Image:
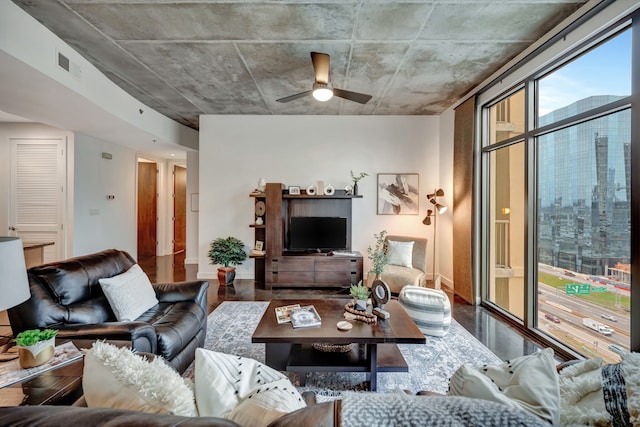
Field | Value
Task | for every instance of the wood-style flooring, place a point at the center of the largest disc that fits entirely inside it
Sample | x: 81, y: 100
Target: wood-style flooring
x: 503, y: 339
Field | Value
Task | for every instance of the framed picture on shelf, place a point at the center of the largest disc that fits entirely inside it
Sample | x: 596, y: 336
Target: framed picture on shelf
x: 259, y: 245
x: 398, y: 194
x: 295, y: 190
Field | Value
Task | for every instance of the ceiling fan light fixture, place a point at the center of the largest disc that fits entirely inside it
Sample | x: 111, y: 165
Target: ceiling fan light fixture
x: 322, y: 92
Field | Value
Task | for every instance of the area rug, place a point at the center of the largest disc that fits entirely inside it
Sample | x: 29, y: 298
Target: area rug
x: 231, y: 325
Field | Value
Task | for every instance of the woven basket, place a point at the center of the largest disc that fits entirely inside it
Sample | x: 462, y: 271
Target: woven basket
x: 333, y: 348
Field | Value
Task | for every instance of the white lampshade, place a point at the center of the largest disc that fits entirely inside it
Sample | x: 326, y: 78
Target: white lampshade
x: 14, y: 285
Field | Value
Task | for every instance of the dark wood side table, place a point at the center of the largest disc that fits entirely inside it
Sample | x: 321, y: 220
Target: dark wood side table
x: 290, y: 349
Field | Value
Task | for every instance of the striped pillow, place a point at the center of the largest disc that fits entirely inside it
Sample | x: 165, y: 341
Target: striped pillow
x: 430, y: 309
x: 242, y: 389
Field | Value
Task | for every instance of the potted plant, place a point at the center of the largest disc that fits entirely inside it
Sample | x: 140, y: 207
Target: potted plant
x: 360, y: 294
x: 378, y: 255
x: 227, y: 252
x: 355, y: 179
x: 35, y: 347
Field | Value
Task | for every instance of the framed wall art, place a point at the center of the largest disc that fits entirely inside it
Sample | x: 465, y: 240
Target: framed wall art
x: 398, y: 194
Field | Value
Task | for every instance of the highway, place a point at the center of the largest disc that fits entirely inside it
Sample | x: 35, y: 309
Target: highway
x: 571, y: 310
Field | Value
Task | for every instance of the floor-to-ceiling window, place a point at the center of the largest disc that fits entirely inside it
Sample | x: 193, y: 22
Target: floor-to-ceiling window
x: 556, y: 208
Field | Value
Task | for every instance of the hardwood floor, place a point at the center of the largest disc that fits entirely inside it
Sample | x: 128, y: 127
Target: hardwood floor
x: 503, y: 339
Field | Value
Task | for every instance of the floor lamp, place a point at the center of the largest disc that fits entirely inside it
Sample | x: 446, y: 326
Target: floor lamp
x: 433, y: 213
x: 14, y: 285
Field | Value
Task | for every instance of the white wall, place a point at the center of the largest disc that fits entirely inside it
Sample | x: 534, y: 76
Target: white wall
x: 193, y: 185
x: 444, y: 260
x: 235, y: 151
x: 101, y: 223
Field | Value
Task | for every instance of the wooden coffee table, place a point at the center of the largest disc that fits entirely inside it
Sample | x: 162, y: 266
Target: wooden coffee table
x: 289, y: 349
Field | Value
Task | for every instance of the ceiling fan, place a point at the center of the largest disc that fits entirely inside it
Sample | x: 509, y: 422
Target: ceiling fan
x: 322, y: 89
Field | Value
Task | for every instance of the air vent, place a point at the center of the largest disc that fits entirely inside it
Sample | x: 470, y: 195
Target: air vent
x: 72, y: 68
x: 63, y: 61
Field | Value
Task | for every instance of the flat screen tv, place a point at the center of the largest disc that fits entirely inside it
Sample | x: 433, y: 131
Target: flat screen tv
x: 314, y: 233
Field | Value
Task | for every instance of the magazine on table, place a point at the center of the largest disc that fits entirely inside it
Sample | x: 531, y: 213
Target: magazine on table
x: 283, y: 314
x: 305, y: 317
x: 11, y: 372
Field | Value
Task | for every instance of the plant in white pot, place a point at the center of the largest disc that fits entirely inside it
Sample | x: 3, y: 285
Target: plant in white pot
x: 227, y: 252
x: 35, y: 347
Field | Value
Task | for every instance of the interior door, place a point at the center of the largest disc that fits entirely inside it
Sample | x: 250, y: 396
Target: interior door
x: 147, y: 208
x: 179, y: 209
x: 38, y: 171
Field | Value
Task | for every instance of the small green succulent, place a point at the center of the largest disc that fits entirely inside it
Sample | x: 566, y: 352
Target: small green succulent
x: 359, y: 291
x: 34, y: 336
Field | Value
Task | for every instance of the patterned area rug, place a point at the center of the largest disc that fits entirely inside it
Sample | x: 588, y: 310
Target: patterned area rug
x: 231, y: 325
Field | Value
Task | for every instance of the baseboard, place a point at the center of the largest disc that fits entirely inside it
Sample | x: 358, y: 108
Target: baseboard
x: 191, y: 261
x: 446, y: 283
x: 214, y: 275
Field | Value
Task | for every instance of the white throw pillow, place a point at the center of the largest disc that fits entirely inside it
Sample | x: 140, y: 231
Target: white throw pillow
x: 528, y: 382
x: 242, y: 390
x: 129, y: 294
x: 115, y: 377
x: 400, y: 253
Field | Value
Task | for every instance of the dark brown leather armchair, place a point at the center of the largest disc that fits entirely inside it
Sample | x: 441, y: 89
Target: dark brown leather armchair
x: 66, y: 296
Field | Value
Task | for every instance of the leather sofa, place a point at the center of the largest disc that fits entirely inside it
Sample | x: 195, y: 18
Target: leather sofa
x: 66, y: 296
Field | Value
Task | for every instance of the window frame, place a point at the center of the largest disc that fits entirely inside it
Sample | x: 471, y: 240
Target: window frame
x: 529, y: 324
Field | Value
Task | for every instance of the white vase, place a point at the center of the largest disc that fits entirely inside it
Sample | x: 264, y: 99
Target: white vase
x: 262, y: 184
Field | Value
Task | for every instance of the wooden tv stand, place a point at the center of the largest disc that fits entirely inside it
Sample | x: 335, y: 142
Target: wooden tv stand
x: 277, y: 268
x: 313, y: 270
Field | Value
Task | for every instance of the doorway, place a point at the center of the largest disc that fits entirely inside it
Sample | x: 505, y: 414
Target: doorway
x: 147, y: 208
x: 37, y: 193
x: 179, y: 209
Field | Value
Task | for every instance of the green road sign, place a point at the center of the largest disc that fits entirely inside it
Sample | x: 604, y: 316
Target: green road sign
x: 578, y: 289
x: 598, y: 289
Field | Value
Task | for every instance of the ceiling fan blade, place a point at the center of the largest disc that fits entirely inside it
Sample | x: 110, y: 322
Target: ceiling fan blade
x: 321, y: 66
x: 351, y: 96
x: 296, y: 96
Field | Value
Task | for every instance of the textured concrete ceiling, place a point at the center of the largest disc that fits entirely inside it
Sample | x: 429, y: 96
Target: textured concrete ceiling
x: 186, y: 58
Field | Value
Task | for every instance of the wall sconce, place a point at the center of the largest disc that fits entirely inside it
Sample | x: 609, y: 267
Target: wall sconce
x: 506, y: 211
x: 433, y: 213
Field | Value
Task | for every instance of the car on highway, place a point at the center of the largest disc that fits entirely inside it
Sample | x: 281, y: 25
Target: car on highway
x: 568, y: 273
x: 616, y: 349
x: 553, y: 318
x: 609, y: 317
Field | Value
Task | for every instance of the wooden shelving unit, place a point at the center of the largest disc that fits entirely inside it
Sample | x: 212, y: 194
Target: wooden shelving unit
x: 277, y: 269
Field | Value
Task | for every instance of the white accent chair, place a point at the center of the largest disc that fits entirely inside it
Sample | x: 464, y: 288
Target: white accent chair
x: 398, y: 276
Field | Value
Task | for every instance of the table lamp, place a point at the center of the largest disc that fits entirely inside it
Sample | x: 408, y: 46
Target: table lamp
x: 14, y: 284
